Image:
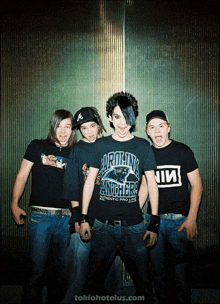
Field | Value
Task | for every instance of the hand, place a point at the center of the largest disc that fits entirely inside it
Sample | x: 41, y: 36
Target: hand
x: 191, y: 229
x: 85, y: 231
x: 18, y: 214
x: 152, y: 238
x: 77, y: 228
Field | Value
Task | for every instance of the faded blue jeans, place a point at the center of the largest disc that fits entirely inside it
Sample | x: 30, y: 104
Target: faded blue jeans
x: 170, y: 260
x: 49, y: 238
x: 127, y: 241
x: 77, y: 260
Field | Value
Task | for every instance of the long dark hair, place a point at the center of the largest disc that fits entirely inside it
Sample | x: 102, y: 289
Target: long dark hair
x: 56, y: 119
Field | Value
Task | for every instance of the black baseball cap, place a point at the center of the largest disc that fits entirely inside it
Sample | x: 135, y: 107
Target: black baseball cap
x: 84, y: 115
x: 156, y: 114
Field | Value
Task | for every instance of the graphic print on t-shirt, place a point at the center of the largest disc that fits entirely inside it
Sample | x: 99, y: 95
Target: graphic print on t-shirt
x: 168, y: 176
x: 54, y: 161
x: 120, y: 176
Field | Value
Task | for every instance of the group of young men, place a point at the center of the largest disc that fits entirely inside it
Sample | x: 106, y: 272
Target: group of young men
x: 86, y: 205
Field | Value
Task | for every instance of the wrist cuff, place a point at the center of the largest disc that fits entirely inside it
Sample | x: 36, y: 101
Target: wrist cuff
x: 75, y: 211
x: 84, y: 218
x: 154, y: 223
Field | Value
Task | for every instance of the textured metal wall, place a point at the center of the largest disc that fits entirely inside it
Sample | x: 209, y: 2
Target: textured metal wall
x: 80, y: 52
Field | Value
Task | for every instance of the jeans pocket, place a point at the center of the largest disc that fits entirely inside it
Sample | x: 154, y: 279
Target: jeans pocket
x: 138, y: 228
x: 97, y: 225
x: 177, y: 223
x: 36, y: 217
x: 147, y: 219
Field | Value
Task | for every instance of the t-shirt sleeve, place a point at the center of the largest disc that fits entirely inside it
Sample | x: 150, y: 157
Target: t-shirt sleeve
x: 149, y: 159
x: 31, y: 152
x: 70, y: 185
x: 190, y: 162
x: 95, y: 159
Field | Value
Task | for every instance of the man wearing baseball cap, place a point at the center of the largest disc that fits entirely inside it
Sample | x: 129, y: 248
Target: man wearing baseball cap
x: 88, y: 121
x: 178, y: 208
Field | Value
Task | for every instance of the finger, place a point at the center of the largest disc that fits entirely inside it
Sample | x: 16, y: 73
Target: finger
x: 180, y: 229
x: 190, y: 235
x: 85, y: 238
x: 151, y: 242
x: 145, y: 235
x: 86, y: 235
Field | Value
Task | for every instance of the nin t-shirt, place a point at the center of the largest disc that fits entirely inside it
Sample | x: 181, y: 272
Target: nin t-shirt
x: 173, y: 163
x: 121, y: 167
x: 50, y: 162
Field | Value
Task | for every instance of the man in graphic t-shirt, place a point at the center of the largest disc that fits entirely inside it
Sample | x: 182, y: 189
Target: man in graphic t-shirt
x: 49, y: 217
x: 119, y: 227
x: 178, y: 207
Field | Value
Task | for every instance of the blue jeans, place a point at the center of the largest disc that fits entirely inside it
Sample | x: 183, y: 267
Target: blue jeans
x: 127, y: 241
x: 49, y: 238
x: 77, y: 260
x: 170, y: 260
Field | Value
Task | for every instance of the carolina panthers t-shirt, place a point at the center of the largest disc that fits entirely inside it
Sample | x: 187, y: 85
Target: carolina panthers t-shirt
x: 173, y: 163
x: 121, y: 166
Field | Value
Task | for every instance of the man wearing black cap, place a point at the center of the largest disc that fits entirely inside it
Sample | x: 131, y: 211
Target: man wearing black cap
x: 88, y: 121
x: 119, y: 227
x: 178, y: 207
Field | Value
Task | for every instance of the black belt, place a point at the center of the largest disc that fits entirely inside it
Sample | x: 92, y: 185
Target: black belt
x: 130, y: 222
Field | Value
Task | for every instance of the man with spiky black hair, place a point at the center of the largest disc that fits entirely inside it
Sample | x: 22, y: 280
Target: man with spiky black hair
x: 119, y: 228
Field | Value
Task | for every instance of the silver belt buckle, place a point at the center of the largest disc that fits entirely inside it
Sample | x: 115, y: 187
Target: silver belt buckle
x: 57, y: 212
x: 117, y: 223
x: 177, y: 216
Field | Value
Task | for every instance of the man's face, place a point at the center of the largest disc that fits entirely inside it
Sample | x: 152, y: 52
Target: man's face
x: 122, y: 129
x: 158, y: 131
x: 89, y: 131
x: 64, y: 131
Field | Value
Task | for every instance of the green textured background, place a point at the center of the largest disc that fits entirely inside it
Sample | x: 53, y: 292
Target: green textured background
x: 71, y: 54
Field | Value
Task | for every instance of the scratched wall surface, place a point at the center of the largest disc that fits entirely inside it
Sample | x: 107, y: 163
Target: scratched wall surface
x: 78, y: 53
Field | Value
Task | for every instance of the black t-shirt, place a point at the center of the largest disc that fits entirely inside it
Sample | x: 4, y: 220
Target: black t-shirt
x: 47, y: 173
x: 75, y: 176
x: 173, y: 163
x: 121, y: 167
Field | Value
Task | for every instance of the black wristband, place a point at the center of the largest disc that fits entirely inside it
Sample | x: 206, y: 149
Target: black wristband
x: 84, y: 218
x: 154, y: 223
x: 76, y: 212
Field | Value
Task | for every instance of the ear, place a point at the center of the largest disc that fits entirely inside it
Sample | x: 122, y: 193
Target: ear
x: 168, y: 129
x: 146, y: 131
x: 110, y: 118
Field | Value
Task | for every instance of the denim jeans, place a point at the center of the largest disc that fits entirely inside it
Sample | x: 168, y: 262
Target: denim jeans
x: 170, y: 260
x: 127, y: 241
x: 77, y: 260
x: 49, y: 238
